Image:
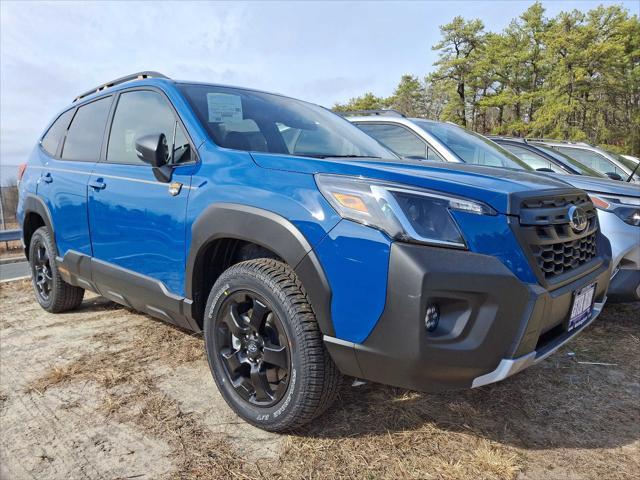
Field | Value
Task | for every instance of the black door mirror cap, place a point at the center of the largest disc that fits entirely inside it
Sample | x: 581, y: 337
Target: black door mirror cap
x: 613, y: 176
x: 154, y: 150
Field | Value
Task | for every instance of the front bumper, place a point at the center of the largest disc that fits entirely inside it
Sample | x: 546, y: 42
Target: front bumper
x: 492, y: 325
x: 511, y: 366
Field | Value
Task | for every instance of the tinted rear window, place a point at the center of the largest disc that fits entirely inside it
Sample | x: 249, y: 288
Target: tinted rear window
x: 51, y: 140
x: 84, y: 138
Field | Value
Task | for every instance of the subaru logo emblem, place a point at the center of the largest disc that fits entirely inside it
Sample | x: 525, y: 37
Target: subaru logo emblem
x: 577, y: 219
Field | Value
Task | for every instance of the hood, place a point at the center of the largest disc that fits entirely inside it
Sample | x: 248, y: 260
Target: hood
x: 493, y: 186
x: 600, y: 185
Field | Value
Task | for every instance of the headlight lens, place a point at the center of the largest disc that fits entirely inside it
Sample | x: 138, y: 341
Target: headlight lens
x: 403, y: 213
x: 626, y: 208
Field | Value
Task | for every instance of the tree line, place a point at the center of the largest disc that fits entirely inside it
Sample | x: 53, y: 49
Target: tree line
x: 574, y: 77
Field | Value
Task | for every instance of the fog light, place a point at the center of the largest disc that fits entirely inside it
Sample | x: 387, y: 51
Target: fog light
x: 432, y: 317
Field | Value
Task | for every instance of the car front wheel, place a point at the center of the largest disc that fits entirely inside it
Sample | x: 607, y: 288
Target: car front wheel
x: 265, y: 349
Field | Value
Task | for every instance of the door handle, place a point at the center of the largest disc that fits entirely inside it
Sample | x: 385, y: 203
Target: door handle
x: 47, y: 178
x: 98, y: 184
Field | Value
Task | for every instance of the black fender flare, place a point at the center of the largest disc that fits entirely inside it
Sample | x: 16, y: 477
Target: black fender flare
x: 271, y: 231
x: 34, y: 204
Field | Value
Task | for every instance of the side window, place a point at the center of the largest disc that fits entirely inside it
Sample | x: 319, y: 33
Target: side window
x: 591, y: 159
x: 396, y: 138
x: 532, y: 159
x: 181, y: 148
x: 84, y: 138
x: 51, y: 140
x: 139, y: 113
x: 432, y: 155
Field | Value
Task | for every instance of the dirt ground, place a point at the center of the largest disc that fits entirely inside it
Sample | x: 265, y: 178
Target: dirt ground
x: 104, y: 392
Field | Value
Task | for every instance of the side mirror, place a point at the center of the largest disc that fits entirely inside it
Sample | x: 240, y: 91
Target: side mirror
x: 544, y: 169
x: 154, y: 150
x: 613, y: 176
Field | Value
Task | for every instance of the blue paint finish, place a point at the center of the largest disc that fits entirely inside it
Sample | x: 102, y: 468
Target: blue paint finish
x: 470, y: 181
x: 491, y: 235
x: 136, y: 224
x: 62, y: 185
x: 356, y: 261
x: 231, y: 176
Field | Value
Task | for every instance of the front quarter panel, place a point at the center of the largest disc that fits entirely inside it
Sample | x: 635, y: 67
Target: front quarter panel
x: 229, y: 176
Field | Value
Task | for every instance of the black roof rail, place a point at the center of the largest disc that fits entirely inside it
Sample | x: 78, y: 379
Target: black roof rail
x: 118, y: 81
x: 381, y: 112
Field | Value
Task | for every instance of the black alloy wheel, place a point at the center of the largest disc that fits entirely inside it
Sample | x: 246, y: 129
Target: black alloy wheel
x: 253, y: 346
x: 52, y: 292
x: 41, y: 270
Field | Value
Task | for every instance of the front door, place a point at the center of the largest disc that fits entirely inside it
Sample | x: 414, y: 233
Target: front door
x: 137, y: 223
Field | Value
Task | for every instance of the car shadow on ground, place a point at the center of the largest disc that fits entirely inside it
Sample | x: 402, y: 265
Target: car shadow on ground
x: 562, y: 402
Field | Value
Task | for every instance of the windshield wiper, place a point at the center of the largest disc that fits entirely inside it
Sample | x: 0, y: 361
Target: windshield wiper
x: 633, y: 173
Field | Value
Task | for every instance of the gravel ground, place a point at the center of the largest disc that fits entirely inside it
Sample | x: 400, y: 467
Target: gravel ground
x: 105, y: 392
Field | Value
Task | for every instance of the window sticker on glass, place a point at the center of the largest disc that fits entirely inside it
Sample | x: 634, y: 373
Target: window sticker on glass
x: 224, y: 107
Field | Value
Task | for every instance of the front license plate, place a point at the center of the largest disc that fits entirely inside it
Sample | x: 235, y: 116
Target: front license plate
x: 582, y: 306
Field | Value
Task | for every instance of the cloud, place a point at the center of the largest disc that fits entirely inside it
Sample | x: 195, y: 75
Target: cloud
x: 318, y: 51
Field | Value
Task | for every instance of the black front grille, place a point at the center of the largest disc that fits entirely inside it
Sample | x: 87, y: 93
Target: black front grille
x: 556, y: 258
x: 554, y: 246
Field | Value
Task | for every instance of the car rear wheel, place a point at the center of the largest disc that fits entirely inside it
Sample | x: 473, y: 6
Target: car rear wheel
x: 265, y: 349
x: 52, y: 292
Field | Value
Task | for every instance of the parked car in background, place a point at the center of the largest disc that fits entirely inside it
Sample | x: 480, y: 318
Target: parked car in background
x: 302, y: 247
x: 545, y: 159
x: 611, y: 164
x: 419, y: 138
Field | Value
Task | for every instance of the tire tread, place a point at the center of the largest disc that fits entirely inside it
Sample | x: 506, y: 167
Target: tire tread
x: 323, y: 377
x: 65, y: 297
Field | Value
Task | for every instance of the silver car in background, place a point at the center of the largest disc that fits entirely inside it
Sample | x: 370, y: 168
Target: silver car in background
x: 618, y: 202
x: 604, y: 161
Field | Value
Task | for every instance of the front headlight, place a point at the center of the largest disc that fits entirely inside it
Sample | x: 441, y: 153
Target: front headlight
x: 404, y: 213
x: 626, y: 208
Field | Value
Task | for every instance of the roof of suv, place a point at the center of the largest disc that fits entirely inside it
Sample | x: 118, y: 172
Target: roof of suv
x: 149, y: 75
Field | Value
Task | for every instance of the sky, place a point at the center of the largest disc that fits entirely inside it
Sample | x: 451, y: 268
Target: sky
x: 323, y: 52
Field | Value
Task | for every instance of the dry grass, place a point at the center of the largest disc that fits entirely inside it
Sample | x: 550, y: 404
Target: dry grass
x: 559, y: 419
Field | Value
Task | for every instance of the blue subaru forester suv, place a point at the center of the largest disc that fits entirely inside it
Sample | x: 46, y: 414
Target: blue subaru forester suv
x: 301, y: 247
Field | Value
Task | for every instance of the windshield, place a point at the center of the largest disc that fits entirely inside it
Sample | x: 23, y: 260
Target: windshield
x: 592, y: 159
x: 630, y: 164
x: 561, y: 157
x: 262, y: 122
x: 471, y: 147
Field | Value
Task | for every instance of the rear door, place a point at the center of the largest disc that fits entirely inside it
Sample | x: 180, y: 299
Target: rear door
x: 137, y: 223
x: 70, y: 151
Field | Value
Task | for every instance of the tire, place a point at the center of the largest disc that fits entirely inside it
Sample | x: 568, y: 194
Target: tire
x: 52, y: 292
x: 293, y: 395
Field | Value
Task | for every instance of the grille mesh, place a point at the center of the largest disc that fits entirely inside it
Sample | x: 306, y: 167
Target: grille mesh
x: 556, y: 258
x: 554, y: 245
